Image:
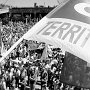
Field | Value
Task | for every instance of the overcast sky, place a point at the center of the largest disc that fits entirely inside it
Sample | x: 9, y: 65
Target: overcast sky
x: 30, y: 3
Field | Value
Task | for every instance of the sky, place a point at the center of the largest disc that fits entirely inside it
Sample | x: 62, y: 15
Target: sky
x: 29, y: 3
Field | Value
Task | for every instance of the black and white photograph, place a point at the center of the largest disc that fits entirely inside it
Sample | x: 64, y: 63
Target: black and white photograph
x: 44, y: 44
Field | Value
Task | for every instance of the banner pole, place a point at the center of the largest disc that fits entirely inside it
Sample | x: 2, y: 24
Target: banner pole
x: 0, y: 37
x: 10, y: 50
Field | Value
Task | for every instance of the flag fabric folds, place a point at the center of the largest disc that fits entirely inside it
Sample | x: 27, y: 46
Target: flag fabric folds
x: 75, y: 71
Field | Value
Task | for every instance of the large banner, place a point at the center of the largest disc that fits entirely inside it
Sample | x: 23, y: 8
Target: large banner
x: 66, y: 27
x: 75, y: 71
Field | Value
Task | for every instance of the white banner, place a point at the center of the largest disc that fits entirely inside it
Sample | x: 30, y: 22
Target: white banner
x: 70, y: 35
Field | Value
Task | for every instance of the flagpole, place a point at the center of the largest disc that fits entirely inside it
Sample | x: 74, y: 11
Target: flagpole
x: 0, y: 37
x: 9, y: 51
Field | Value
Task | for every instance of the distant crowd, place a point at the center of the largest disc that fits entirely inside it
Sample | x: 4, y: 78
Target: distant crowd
x: 31, y: 65
x: 13, y: 31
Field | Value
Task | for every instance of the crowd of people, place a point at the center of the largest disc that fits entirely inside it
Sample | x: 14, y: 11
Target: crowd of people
x: 32, y: 74
x: 13, y: 31
x: 28, y: 67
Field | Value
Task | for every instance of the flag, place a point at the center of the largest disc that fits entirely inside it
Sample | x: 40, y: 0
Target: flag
x: 75, y: 71
x: 44, y: 54
x: 66, y: 27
